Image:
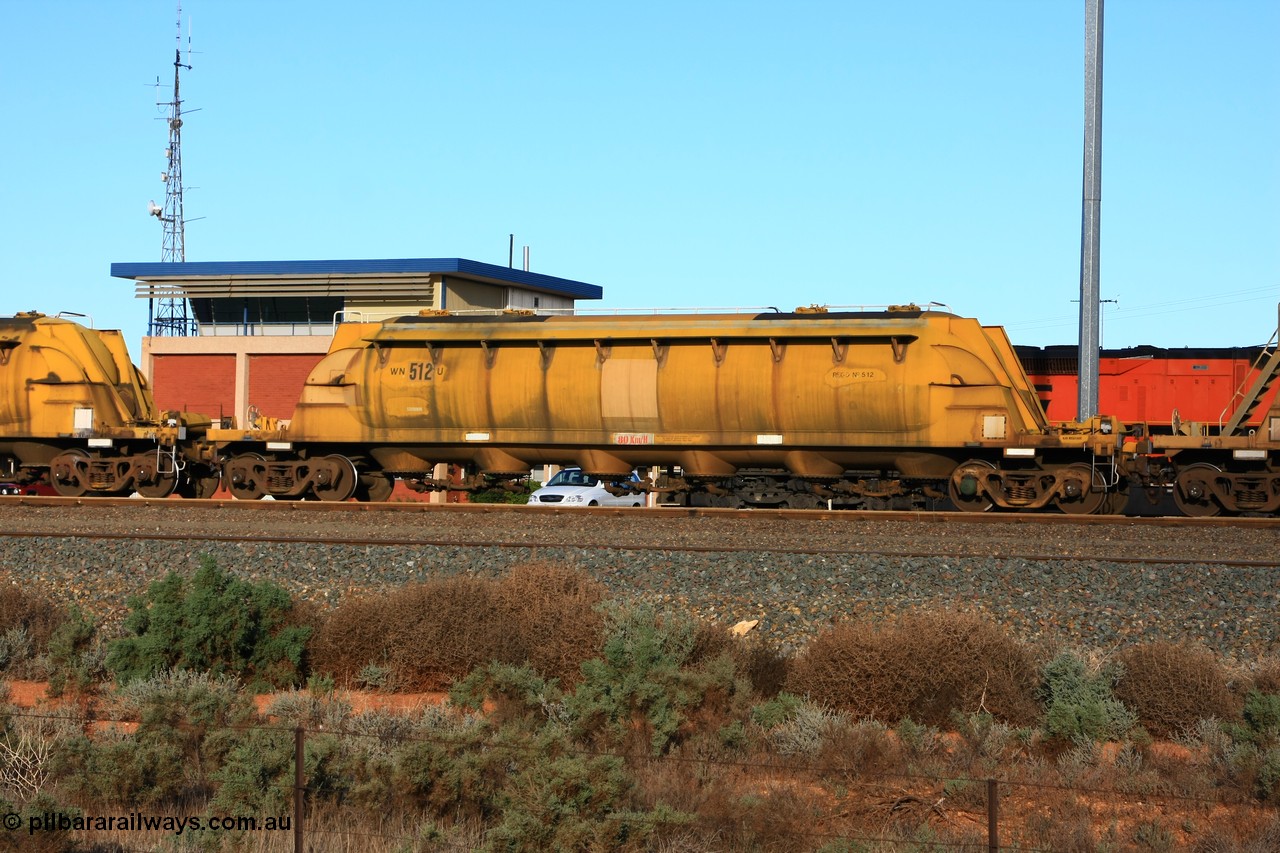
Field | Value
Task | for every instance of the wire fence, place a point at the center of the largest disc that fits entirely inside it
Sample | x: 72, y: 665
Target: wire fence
x: 901, y: 809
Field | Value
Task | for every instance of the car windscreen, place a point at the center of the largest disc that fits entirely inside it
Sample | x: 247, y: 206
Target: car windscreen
x: 571, y: 478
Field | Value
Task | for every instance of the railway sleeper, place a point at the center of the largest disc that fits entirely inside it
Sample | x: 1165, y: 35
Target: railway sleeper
x: 463, y: 480
x: 783, y: 490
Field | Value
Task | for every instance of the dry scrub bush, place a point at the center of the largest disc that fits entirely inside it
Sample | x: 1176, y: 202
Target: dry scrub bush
x: 724, y: 811
x: 425, y: 633
x: 1265, y: 676
x: 861, y: 749
x: 1172, y: 686
x: 30, y: 610
x: 849, y: 666
x: 28, y: 619
x: 351, y: 637
x: 921, y: 665
x: 552, y: 609
x: 1066, y: 827
x: 428, y: 634
x: 775, y: 816
x: 1254, y: 839
x: 442, y: 630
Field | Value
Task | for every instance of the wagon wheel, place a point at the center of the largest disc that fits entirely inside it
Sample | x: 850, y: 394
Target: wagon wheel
x: 1192, y: 492
x: 200, y: 486
x: 69, y: 473
x: 1090, y: 495
x: 245, y: 477
x: 161, y: 485
x: 963, y: 486
x: 375, y: 487
x: 151, y: 482
x: 334, y: 478
x: 1116, y: 500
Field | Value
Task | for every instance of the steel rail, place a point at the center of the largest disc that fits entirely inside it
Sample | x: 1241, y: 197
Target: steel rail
x: 937, y: 516
x: 534, y: 547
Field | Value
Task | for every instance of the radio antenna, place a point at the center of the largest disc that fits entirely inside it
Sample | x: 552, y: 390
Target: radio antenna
x: 169, y: 315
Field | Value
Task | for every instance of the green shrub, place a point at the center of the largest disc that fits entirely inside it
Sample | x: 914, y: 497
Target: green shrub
x: 323, y: 711
x: 1153, y: 835
x: 257, y: 777
x: 1256, y: 744
x: 1080, y: 704
x: 987, y: 743
x: 185, y: 729
x: 517, y: 692
x: 75, y: 657
x: 453, y: 776
x: 807, y: 730
x: 647, y: 682
x: 776, y: 711
x: 127, y: 770
x: 1268, y: 785
x: 917, y: 740
x: 374, y: 677
x: 567, y: 802
x: 213, y: 622
x: 500, y: 495
x: 43, y: 810
x: 1262, y: 715
x: 258, y: 774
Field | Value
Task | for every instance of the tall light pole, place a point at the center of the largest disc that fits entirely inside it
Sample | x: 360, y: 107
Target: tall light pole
x: 1091, y: 216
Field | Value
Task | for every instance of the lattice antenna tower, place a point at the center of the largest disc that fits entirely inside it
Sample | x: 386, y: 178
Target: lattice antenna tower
x: 170, y: 315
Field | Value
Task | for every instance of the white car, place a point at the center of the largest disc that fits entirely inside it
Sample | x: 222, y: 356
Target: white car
x: 571, y: 487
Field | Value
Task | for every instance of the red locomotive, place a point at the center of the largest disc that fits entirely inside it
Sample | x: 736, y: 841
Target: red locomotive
x: 1149, y: 385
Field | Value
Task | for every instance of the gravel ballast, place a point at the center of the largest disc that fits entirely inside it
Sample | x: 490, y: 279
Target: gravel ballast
x: 1075, y: 594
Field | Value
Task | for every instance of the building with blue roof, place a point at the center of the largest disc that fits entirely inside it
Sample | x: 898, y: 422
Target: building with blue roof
x: 250, y: 298
x: 255, y: 329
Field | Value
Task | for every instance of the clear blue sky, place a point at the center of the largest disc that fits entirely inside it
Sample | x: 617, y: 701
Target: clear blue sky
x: 676, y: 153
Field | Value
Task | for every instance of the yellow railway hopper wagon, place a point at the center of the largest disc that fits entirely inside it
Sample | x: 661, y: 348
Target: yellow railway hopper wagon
x: 75, y: 410
x: 806, y: 408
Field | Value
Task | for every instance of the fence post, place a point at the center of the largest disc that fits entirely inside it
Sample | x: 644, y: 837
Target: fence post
x: 299, y: 789
x: 993, y: 812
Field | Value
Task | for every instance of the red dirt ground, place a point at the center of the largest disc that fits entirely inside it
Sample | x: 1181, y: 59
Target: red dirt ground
x: 1122, y: 816
x: 30, y: 694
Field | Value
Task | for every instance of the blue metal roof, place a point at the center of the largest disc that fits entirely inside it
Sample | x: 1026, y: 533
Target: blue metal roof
x: 192, y: 270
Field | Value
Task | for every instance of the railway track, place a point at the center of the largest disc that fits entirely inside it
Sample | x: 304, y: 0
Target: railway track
x: 538, y: 549
x: 1033, y: 518
x: 949, y: 535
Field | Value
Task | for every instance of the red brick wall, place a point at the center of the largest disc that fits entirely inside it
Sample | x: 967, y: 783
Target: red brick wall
x: 275, y: 382
x: 195, y: 383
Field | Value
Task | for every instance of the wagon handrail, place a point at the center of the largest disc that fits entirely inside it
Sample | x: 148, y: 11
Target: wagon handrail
x: 1267, y: 364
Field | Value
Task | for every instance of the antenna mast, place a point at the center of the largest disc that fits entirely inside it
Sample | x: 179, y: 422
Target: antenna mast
x: 170, y: 316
